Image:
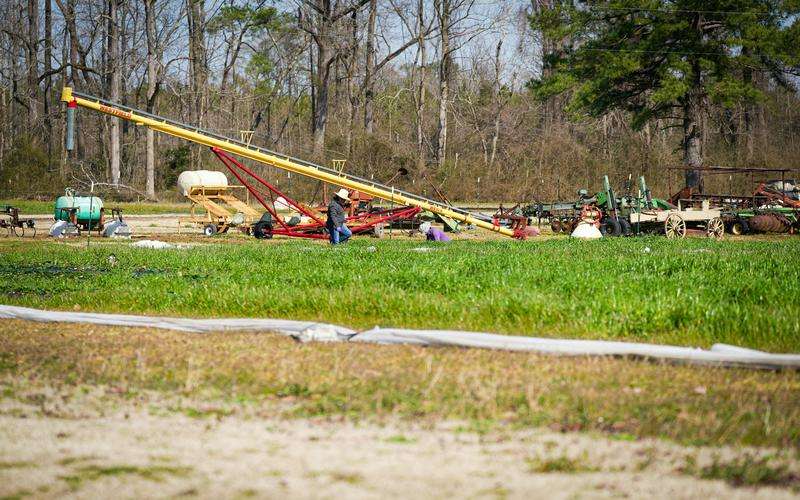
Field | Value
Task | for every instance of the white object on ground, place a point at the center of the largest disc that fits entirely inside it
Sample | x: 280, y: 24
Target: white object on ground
x: 57, y: 229
x: 190, y: 178
x: 154, y: 244
x: 302, y: 330
x: 720, y: 354
x: 305, y: 331
x: 116, y: 229
x: 586, y: 231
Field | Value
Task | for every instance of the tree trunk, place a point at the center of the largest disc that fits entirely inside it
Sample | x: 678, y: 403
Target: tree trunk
x: 692, y: 135
x: 497, y: 103
x: 421, y: 87
x: 323, y: 61
x: 352, y: 99
x: 443, y: 11
x: 369, y: 71
x: 152, y: 90
x: 48, y: 66
x: 114, y: 87
x: 32, y: 61
x: 198, y: 63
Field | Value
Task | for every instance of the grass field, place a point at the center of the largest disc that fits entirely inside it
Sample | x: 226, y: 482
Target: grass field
x: 692, y: 292
x: 33, y: 207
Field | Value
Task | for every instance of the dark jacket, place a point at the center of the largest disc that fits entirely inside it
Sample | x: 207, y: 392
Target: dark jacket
x: 336, y: 213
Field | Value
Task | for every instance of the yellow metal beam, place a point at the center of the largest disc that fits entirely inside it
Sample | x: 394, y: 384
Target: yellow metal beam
x: 282, y: 163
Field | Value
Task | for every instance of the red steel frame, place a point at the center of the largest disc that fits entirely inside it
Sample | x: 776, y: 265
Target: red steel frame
x: 357, y: 223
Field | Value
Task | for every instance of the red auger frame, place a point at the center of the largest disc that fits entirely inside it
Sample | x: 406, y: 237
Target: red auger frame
x: 360, y: 223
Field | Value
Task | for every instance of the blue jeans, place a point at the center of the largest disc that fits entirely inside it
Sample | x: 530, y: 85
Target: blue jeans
x: 339, y: 235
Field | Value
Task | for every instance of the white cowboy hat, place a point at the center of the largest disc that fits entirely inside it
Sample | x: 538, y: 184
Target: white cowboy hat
x: 343, y: 194
x: 424, y: 227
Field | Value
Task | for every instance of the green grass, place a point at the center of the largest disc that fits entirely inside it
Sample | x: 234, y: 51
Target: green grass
x: 691, y: 292
x: 562, y: 464
x: 93, y: 472
x: 35, y: 207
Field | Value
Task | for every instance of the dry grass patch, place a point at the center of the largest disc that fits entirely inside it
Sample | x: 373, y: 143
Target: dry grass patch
x: 217, y: 374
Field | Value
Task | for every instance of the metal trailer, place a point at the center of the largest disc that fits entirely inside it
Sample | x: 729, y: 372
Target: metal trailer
x: 240, y: 148
x: 650, y: 214
x: 221, y: 210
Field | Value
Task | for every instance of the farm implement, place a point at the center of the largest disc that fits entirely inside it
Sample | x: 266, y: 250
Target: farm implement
x: 631, y: 215
x: 242, y: 149
x: 310, y: 223
x: 774, y: 206
x: 14, y: 225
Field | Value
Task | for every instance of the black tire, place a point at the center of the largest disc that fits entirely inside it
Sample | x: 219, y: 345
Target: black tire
x: 625, y: 227
x: 610, y: 227
x: 210, y: 230
x: 262, y: 230
x: 739, y: 227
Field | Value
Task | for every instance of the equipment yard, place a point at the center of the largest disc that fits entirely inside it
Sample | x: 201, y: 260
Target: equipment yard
x: 399, y: 249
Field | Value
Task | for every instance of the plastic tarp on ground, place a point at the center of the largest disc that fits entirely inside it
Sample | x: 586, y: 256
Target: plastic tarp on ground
x: 305, y: 331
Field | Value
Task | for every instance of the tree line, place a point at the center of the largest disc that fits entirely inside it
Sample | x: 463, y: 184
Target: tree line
x: 519, y: 100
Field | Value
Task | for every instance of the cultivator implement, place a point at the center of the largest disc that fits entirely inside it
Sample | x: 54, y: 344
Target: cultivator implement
x: 272, y: 158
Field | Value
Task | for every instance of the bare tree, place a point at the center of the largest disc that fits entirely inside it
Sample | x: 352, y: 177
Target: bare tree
x: 320, y: 20
x: 32, y: 61
x: 114, y: 71
x: 421, y: 87
x: 198, y: 67
x: 152, y: 91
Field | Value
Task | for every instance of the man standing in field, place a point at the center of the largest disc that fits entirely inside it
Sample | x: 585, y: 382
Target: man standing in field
x: 431, y: 233
x: 338, y: 232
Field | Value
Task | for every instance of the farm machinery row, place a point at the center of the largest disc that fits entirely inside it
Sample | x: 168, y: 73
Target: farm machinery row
x: 630, y: 214
x: 774, y: 207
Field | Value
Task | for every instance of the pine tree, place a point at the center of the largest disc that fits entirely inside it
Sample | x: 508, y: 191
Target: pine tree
x: 668, y: 59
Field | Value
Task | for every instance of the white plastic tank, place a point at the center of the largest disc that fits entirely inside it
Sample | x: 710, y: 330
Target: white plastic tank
x: 191, y: 178
x: 586, y: 231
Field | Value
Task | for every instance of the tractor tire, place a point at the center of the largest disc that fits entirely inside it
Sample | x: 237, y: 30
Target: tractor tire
x: 625, y: 226
x: 210, y: 230
x: 610, y: 227
x: 739, y: 227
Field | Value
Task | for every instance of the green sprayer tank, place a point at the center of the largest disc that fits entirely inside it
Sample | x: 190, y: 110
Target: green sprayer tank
x: 90, y: 208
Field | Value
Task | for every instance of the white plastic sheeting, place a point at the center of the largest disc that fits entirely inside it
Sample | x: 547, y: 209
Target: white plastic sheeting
x: 302, y: 330
x: 306, y: 331
x: 719, y: 354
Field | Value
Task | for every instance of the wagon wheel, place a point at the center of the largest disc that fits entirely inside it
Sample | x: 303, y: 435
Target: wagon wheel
x: 675, y: 226
x: 19, y: 231
x: 715, y: 228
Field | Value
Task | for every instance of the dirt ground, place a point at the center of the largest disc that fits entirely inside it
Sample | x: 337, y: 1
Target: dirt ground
x: 84, y: 449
